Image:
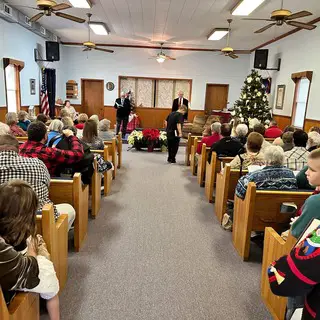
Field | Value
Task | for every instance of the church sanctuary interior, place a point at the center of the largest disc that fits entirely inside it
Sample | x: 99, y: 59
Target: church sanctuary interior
x: 159, y: 159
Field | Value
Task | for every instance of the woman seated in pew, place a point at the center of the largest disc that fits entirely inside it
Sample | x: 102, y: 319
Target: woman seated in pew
x: 67, y: 122
x: 55, y: 131
x: 4, y: 128
x: 311, y: 208
x: 274, y: 176
x: 253, y: 156
x: 104, y: 130
x: 279, y: 141
x: 11, y: 121
x: 241, y: 133
x: 23, y: 122
x: 42, y: 118
x: 90, y: 136
x: 24, y: 260
x: 82, y: 119
x: 95, y: 118
x: 213, y: 138
x: 313, y: 140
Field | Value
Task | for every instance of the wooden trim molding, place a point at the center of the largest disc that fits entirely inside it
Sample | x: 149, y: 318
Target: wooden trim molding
x: 8, y: 61
x: 304, y: 74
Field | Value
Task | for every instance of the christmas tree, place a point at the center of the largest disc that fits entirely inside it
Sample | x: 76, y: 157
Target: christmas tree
x: 253, y: 102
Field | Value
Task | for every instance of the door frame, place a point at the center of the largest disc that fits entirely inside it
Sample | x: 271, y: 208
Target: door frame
x: 218, y: 85
x: 83, y: 95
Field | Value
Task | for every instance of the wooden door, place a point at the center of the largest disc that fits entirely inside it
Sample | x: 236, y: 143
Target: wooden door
x: 93, y: 97
x: 216, y: 97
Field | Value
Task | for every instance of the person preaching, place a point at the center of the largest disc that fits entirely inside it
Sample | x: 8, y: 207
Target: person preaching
x: 180, y: 101
x: 123, y: 107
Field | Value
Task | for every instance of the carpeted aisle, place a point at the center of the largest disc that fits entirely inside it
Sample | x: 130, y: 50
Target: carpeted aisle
x: 156, y: 252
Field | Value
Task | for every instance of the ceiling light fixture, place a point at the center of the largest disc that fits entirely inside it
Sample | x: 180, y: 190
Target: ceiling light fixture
x: 218, y: 33
x: 161, y: 59
x: 99, y: 28
x: 86, y: 4
x: 245, y: 7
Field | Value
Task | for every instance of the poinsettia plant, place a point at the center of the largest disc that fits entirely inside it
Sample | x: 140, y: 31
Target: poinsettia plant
x: 151, y: 134
x: 148, y: 138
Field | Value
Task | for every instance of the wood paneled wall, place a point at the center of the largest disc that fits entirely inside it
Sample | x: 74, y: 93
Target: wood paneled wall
x: 284, y: 121
x: 3, y: 111
x: 311, y: 123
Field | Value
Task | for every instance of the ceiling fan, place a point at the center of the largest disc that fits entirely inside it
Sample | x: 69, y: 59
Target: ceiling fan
x: 49, y: 7
x: 281, y: 16
x: 161, y: 56
x: 228, y: 51
x: 88, y: 45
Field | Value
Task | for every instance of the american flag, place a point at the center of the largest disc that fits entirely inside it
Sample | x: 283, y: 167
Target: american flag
x: 44, y: 95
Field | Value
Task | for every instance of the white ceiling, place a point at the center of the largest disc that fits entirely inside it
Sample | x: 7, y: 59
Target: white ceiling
x: 184, y: 23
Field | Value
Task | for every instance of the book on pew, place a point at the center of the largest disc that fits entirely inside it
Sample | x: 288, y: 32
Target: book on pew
x: 312, y: 226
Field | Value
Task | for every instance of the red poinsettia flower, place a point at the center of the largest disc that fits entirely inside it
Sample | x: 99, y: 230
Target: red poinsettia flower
x: 151, y: 134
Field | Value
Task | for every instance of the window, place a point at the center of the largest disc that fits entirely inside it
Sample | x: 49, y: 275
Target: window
x: 300, y: 103
x: 12, y: 70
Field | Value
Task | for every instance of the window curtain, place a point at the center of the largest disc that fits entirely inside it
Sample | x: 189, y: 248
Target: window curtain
x: 51, y: 87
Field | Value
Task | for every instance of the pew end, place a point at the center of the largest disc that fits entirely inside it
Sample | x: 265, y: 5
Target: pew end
x: 95, y: 190
x: 193, y: 166
x: 112, y: 154
x: 274, y: 248
x: 201, y: 170
x: 119, y: 149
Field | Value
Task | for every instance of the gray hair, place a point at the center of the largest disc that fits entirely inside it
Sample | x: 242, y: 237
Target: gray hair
x: 56, y: 125
x: 67, y: 121
x: 313, y: 139
x: 95, y: 118
x: 216, y: 127
x: 104, y: 125
x: 274, y: 156
x: 11, y: 118
x: 4, y: 129
x: 242, y: 130
x: 22, y: 115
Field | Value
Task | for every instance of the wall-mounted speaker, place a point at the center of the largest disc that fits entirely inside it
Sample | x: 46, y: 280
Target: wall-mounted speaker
x: 261, y: 59
x: 52, y: 51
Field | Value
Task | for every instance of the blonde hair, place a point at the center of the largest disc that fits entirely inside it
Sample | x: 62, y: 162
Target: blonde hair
x: 11, y: 118
x: 22, y: 115
x: 67, y: 122
x: 64, y: 113
x: 95, y: 118
x: 83, y: 117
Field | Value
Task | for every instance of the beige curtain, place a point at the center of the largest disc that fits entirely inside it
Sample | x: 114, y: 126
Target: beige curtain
x: 164, y: 93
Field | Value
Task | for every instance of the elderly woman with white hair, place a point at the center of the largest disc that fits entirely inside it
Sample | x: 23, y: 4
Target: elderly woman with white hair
x: 55, y: 131
x: 241, y: 133
x: 274, y: 176
x: 313, y: 141
x: 104, y: 130
x: 4, y: 129
x: 15, y: 130
x: 210, y: 140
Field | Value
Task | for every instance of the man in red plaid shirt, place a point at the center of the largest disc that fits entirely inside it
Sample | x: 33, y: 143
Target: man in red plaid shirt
x: 35, y: 148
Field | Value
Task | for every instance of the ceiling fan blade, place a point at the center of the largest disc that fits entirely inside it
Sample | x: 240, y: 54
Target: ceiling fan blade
x: 104, y: 50
x: 69, y: 17
x: 86, y: 49
x: 298, y: 15
x: 301, y: 25
x: 36, y: 17
x: 61, y: 6
x: 233, y: 56
x: 253, y: 19
x: 170, y: 58
x: 17, y: 5
x: 265, y: 28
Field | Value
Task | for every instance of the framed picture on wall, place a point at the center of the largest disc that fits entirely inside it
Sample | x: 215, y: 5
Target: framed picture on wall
x: 32, y: 86
x: 281, y: 90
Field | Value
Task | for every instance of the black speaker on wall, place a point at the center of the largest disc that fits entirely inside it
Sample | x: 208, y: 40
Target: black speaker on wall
x: 261, y: 59
x: 52, y: 51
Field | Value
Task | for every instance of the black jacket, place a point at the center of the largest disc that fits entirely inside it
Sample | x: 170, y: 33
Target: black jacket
x: 123, y: 112
x: 226, y: 147
x: 175, y: 106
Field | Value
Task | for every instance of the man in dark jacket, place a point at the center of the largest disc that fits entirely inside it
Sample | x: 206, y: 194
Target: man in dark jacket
x: 123, y: 107
x: 180, y: 101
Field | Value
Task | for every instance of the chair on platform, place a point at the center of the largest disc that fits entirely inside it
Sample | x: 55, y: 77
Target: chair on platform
x: 74, y: 192
x: 23, y: 306
x: 107, y: 175
x: 202, y: 160
x: 225, y: 188
x: 55, y: 235
x: 274, y: 248
x: 193, y: 166
x: 261, y: 209
x: 212, y: 169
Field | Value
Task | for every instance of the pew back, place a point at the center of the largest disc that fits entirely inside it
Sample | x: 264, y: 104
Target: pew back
x: 201, y: 171
x: 112, y: 154
x: 119, y: 150
x: 274, y: 248
x: 188, y: 148
x: 261, y: 209
x: 76, y: 194
x: 95, y: 190
x: 193, y: 166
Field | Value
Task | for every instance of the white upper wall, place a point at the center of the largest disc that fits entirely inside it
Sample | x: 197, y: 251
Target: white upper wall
x: 201, y: 67
x: 298, y: 52
x: 19, y: 43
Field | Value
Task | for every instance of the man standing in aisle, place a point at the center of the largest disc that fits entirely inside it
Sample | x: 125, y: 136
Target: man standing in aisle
x: 123, y: 107
x: 174, y: 124
x: 180, y: 101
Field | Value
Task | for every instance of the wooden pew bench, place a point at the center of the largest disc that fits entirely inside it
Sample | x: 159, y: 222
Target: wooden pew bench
x: 274, y: 248
x: 95, y: 191
x: 193, y: 167
x: 108, y: 176
x: 74, y: 192
x: 22, y: 139
x: 202, y: 160
x: 24, y: 306
x: 188, y: 148
x: 112, y: 154
x: 212, y: 169
x: 225, y: 188
x: 55, y: 235
x: 119, y: 150
x: 261, y: 209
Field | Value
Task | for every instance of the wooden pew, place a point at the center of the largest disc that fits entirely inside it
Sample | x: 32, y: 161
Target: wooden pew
x: 22, y: 139
x: 212, y: 169
x: 55, y: 235
x: 225, y: 188
x: 119, y: 150
x: 112, y: 154
x: 188, y: 148
x: 75, y: 193
x: 23, y: 306
x: 260, y: 209
x: 193, y: 166
x: 274, y: 248
x: 202, y: 160
x: 95, y: 191
x: 107, y: 175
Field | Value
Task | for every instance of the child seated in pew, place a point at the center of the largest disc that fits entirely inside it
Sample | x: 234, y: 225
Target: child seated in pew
x: 24, y: 265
